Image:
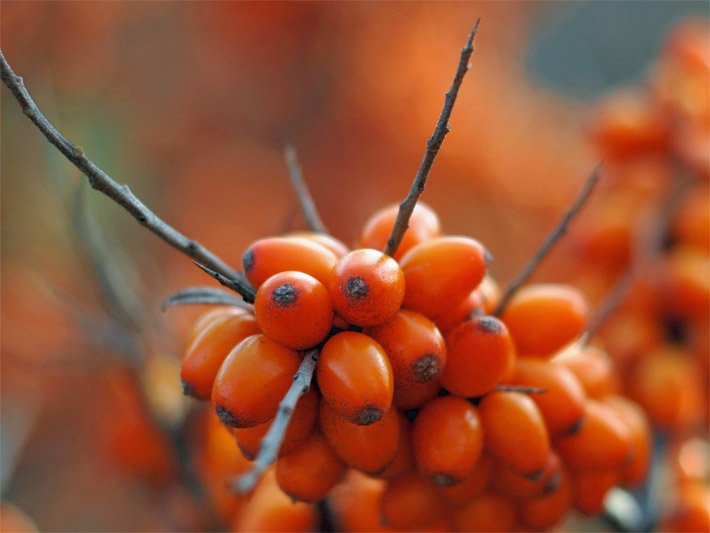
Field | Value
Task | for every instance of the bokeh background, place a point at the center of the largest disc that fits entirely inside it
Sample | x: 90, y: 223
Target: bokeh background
x: 191, y: 104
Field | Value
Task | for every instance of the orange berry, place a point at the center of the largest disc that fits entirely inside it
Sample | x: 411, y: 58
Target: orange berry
x: 410, y: 502
x: 272, y: 255
x: 472, y: 485
x: 593, y: 368
x: 441, y: 272
x: 355, y: 377
x: 480, y: 354
x: 562, y: 403
x: 487, y: 512
x: 545, y: 317
x: 294, y: 309
x: 299, y: 427
x: 269, y: 509
x: 635, y: 471
x: 423, y: 225
x: 519, y: 487
x: 589, y: 488
x: 311, y: 470
x: 546, y: 510
x: 367, y: 287
x: 355, y: 503
x: 253, y: 379
x: 448, y: 439
x: 328, y: 241
x: 691, y: 511
x: 603, y: 441
x: 515, y: 431
x: 403, y: 461
x: 212, y: 338
x: 368, y: 448
x: 416, y: 395
x: 414, y: 346
x: 470, y: 307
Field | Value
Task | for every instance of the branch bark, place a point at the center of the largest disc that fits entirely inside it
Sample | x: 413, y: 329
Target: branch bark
x: 308, y: 206
x: 119, y: 193
x: 432, y: 149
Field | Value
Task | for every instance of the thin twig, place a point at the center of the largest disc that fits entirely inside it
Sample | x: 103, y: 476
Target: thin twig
x: 204, y: 296
x: 520, y: 389
x: 649, y: 245
x: 432, y: 149
x: 308, y: 207
x: 552, y: 239
x: 274, y: 437
x: 246, y: 291
x: 103, y: 183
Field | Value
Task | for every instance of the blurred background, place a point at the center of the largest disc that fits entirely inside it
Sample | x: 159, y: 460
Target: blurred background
x: 191, y: 104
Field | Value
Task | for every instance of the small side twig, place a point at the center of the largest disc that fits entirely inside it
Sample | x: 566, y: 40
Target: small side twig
x: 432, y: 149
x: 308, y: 206
x: 274, y: 437
x: 245, y: 290
x: 520, y: 389
x: 204, y: 296
x: 552, y: 239
x: 103, y: 183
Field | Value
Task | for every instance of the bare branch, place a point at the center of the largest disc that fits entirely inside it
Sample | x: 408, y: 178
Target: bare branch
x: 204, y: 295
x: 520, y: 389
x: 103, y: 183
x: 274, y: 437
x: 246, y: 291
x: 432, y: 149
x: 552, y: 239
x: 308, y: 207
x: 649, y: 246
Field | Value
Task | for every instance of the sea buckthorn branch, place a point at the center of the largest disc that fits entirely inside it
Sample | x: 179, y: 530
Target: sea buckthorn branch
x: 274, y: 437
x: 308, y: 207
x: 432, y: 149
x: 204, y: 296
x: 245, y: 290
x: 119, y: 193
x: 649, y: 245
x: 520, y: 389
x: 552, y: 239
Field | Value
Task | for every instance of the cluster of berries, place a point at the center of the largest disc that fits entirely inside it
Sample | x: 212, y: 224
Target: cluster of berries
x: 648, y: 232
x: 456, y: 415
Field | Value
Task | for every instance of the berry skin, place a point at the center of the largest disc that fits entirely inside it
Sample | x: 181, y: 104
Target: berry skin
x: 368, y: 448
x: 210, y: 341
x: 439, y: 273
x: 487, y: 512
x: 272, y: 255
x: 311, y: 470
x: 423, y: 225
x: 328, y: 241
x: 562, y: 403
x: 294, y: 309
x: 448, y: 439
x: 515, y: 431
x: 473, y: 485
x: 367, y: 287
x: 480, y: 354
x: 544, y: 318
x: 355, y: 377
x: 299, y: 427
x: 252, y: 380
x: 410, y: 502
x: 414, y: 346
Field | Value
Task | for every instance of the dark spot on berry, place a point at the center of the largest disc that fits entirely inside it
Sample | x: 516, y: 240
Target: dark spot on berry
x: 369, y: 415
x: 226, y: 416
x: 575, y: 427
x: 489, y: 324
x: 187, y: 389
x: 552, y: 484
x: 356, y: 288
x: 443, y: 392
x: 411, y: 414
x: 675, y: 330
x: 535, y: 476
x: 248, y: 261
x: 443, y: 480
x: 284, y: 295
x: 426, y: 368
